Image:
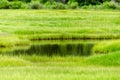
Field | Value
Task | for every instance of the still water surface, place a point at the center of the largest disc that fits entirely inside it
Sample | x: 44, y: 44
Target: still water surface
x: 53, y: 48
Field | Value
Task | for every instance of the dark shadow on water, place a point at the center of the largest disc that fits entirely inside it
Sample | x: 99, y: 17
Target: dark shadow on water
x: 56, y: 49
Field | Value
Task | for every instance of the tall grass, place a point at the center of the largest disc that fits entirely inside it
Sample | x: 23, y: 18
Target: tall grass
x: 105, y: 66
x: 45, y: 23
x: 103, y: 60
x: 107, y: 46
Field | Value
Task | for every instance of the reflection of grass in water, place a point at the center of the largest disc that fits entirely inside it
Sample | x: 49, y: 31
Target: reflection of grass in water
x: 109, y: 60
x: 61, y: 49
x: 52, y: 48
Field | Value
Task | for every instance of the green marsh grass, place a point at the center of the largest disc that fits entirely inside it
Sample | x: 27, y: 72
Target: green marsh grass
x: 110, y: 59
x: 12, y: 41
x: 107, y: 46
x: 101, y: 60
x: 104, y: 66
x: 14, y: 61
x: 28, y: 25
x: 64, y: 73
x: 60, y: 23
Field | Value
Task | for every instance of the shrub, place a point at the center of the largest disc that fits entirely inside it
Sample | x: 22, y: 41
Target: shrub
x: 110, y: 5
x: 85, y: 7
x: 47, y: 4
x: 35, y: 5
x: 17, y: 5
x: 73, y: 5
x: 92, y: 7
x: 4, y: 4
x: 57, y: 5
x: 88, y: 2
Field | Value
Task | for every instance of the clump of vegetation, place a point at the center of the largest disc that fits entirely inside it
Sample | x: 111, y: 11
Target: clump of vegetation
x: 12, y: 41
x: 35, y: 5
x: 7, y: 61
x: 110, y: 5
x: 57, y: 5
x: 104, y: 59
x: 4, y: 4
x: 73, y: 5
x: 17, y: 5
x: 107, y: 46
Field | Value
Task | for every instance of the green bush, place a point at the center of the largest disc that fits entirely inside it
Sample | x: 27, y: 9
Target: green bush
x: 47, y: 5
x: 35, y: 5
x: 92, y: 2
x: 57, y: 5
x: 110, y: 5
x: 4, y: 4
x: 17, y: 5
x: 73, y: 5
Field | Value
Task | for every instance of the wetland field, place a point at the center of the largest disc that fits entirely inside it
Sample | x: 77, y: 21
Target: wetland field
x: 59, y: 44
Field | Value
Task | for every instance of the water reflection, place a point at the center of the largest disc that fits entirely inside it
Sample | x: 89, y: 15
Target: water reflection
x: 53, y: 48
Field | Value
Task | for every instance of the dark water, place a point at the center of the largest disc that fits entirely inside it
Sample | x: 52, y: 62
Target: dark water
x: 59, y: 48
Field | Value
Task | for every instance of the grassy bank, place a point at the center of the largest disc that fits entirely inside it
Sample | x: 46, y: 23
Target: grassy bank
x: 105, y: 60
x: 98, y: 67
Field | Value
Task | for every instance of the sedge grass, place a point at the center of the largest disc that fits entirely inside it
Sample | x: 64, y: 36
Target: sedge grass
x: 66, y: 68
x: 107, y: 46
x: 66, y: 23
x: 35, y: 24
x: 58, y: 24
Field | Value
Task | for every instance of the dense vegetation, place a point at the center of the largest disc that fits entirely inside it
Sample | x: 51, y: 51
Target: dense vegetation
x: 21, y: 27
x: 17, y: 29
x: 59, y: 4
x: 98, y: 67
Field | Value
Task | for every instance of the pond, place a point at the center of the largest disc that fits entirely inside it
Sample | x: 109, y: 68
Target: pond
x: 54, y: 48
